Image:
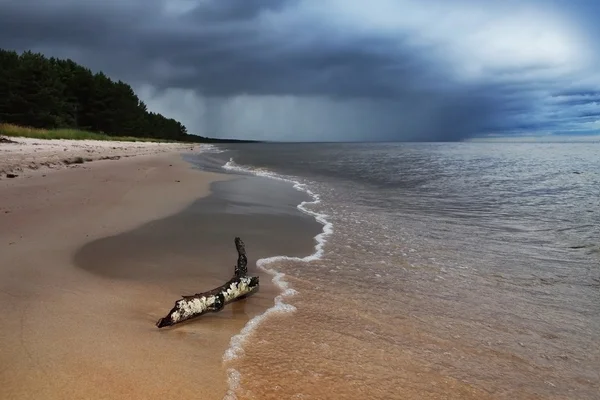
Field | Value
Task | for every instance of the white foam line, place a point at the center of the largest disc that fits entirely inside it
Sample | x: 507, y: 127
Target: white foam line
x: 210, y: 148
x: 236, y: 345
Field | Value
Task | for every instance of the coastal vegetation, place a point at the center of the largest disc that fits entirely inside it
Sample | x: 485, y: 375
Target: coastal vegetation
x: 10, y: 130
x: 50, y: 98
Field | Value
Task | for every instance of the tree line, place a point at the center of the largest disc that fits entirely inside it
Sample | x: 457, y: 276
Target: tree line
x: 49, y: 93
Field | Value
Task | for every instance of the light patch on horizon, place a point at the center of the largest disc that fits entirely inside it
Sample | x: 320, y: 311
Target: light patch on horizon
x: 178, y: 7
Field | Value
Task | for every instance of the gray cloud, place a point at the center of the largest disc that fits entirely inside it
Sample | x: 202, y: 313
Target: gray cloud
x: 334, y: 70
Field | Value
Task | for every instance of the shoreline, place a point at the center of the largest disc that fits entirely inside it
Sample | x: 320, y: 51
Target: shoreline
x: 79, y: 329
x: 236, y: 347
x: 71, y: 334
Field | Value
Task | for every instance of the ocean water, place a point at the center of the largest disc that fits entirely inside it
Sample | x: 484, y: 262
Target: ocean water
x: 444, y: 271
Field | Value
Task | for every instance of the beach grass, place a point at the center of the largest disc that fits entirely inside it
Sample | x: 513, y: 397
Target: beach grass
x: 73, y: 134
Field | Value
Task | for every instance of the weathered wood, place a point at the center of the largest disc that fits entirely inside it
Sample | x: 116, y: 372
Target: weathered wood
x: 241, y: 268
x: 214, y: 300
x: 6, y: 140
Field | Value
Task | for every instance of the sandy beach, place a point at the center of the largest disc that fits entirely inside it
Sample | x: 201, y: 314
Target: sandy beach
x: 67, y: 334
x: 26, y: 156
x: 91, y: 257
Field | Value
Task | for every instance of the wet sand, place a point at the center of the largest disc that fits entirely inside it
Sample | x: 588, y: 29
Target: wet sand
x: 91, y: 257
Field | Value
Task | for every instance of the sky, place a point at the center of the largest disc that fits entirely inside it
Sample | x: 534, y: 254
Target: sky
x: 311, y: 70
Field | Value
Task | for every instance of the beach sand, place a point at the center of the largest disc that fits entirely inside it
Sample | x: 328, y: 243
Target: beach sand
x: 91, y: 257
x: 27, y: 156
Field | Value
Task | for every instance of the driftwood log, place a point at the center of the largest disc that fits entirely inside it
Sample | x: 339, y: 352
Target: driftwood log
x: 214, y: 300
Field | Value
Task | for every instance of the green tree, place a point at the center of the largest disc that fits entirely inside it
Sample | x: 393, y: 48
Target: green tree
x: 52, y: 93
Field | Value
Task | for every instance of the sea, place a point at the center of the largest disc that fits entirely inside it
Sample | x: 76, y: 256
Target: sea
x: 463, y: 270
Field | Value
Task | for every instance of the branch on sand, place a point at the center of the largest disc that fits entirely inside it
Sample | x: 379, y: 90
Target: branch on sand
x: 214, y: 300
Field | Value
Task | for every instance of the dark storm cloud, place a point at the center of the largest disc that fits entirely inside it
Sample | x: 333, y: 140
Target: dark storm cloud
x: 589, y: 115
x: 579, y: 101
x: 227, y: 11
x: 228, y: 55
x: 217, y: 47
x: 578, y: 93
x: 325, y: 69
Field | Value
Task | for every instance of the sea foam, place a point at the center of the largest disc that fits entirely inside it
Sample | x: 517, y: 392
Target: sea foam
x: 210, y: 148
x: 236, y: 346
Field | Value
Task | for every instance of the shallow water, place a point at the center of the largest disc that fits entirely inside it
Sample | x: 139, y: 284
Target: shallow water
x: 466, y: 270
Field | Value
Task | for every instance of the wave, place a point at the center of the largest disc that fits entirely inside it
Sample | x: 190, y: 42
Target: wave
x: 210, y: 148
x: 236, y: 345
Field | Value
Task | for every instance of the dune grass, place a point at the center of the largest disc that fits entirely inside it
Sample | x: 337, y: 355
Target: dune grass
x: 73, y: 134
